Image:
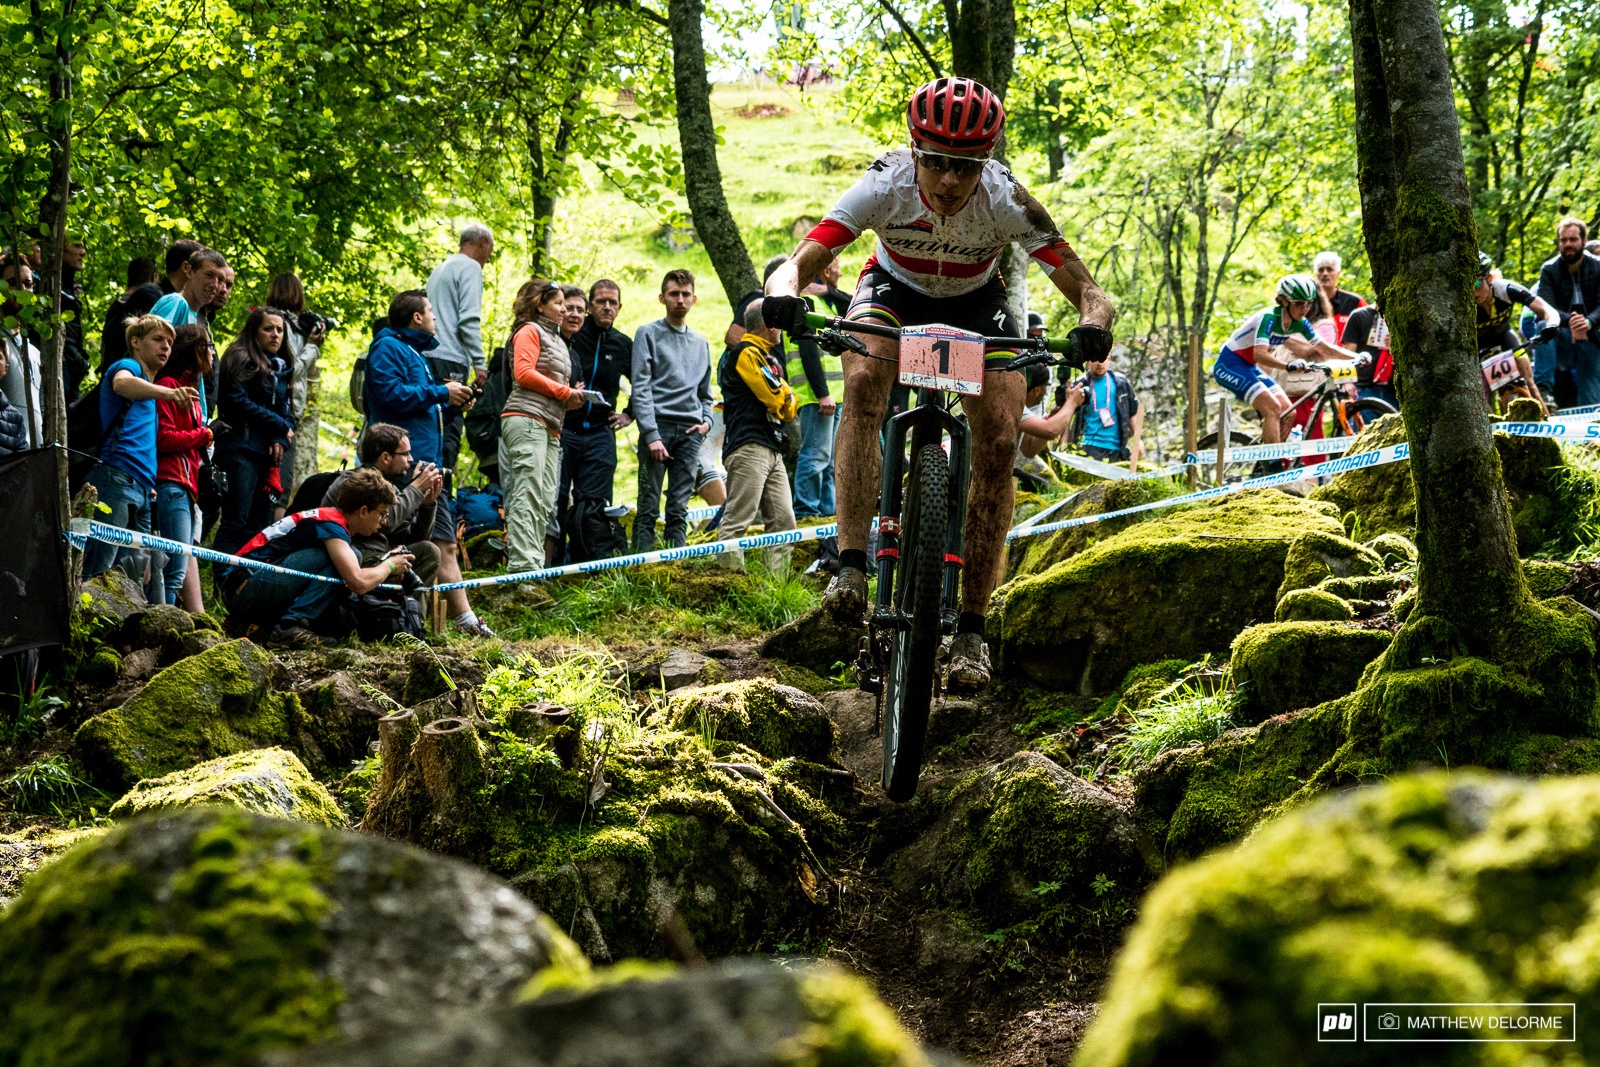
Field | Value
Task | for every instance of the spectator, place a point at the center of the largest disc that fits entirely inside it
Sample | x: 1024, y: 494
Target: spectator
x: 209, y: 313
x: 810, y: 356
x: 181, y: 440
x: 254, y: 407
x: 13, y: 427
x: 530, y: 422
x: 288, y: 295
x: 22, y: 383
x: 1366, y: 332
x: 756, y: 402
x: 74, y: 362
x: 137, y: 299
x: 207, y: 276
x: 1333, y: 305
x: 294, y: 607
x: 409, y: 521
x: 671, y: 384
x: 573, y: 309
x: 1105, y: 415
x: 1593, y: 247
x: 813, y: 375
x: 125, y: 476
x: 455, y: 289
x: 602, y: 356
x: 400, y: 389
x: 1038, y: 430
x: 178, y: 266
x: 1570, y: 283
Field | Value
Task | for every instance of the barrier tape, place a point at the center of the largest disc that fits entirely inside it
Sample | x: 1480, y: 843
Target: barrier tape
x: 1379, y: 457
x: 1321, y: 446
x: 85, y: 529
x: 660, y: 555
x: 1587, y: 409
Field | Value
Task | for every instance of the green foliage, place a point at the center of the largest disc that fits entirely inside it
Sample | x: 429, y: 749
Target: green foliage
x: 28, y: 720
x: 1195, y: 709
x: 770, y: 599
x: 49, y: 783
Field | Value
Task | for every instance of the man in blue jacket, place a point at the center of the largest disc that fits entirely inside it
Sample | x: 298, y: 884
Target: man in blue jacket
x: 401, y: 390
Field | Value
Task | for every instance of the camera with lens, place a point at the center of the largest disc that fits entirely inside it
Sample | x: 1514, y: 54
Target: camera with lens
x: 310, y: 320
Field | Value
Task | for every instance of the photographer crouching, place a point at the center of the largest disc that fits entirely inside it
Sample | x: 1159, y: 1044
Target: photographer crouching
x: 295, y: 608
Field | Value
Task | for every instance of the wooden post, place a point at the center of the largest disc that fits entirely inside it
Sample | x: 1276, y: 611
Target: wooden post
x: 1222, y: 437
x: 1191, y: 420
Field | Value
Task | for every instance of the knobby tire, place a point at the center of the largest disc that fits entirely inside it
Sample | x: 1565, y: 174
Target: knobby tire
x: 1363, y: 412
x: 909, y: 680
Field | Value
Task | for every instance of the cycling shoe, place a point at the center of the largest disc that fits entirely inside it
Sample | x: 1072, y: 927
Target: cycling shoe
x: 846, y: 597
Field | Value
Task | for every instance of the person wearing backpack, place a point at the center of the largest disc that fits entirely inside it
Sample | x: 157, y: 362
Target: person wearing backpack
x: 602, y: 355
x: 125, y: 476
x: 409, y: 520
x: 483, y: 421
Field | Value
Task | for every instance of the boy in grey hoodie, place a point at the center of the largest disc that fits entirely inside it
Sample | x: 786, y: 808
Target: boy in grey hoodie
x: 671, y: 390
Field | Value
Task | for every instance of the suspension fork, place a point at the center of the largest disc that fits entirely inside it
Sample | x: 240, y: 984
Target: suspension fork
x: 925, y: 424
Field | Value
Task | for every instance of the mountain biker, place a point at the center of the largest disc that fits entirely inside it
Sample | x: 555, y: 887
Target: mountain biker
x: 1496, y: 298
x: 943, y: 212
x: 1238, y: 365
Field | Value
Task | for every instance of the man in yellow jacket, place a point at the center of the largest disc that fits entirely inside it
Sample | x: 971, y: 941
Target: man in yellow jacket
x: 756, y: 402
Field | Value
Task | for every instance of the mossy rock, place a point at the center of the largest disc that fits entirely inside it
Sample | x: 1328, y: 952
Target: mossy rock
x: 1012, y: 827
x: 1313, y: 605
x: 26, y: 851
x: 214, y: 704
x: 1384, y: 500
x: 113, y: 596
x: 1394, y: 549
x: 425, y: 679
x: 734, y: 1014
x: 1546, y: 578
x: 1284, y: 666
x: 149, y: 628
x: 343, y: 719
x: 199, y: 641
x: 205, y: 621
x: 1317, y: 555
x: 774, y: 720
x: 815, y: 640
x: 1366, y: 587
x: 1035, y: 555
x: 214, y: 935
x: 103, y: 668
x: 1170, y: 588
x: 1140, y: 686
x: 1433, y: 888
x: 267, y: 781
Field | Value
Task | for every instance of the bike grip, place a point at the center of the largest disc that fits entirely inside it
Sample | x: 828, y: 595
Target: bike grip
x: 1061, y: 345
x: 816, y: 321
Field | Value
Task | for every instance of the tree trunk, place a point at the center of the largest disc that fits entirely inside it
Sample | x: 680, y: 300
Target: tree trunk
x: 1417, y: 218
x: 714, y: 225
x: 53, y: 217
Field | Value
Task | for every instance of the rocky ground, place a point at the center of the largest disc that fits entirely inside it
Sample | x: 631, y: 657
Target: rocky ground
x: 651, y: 768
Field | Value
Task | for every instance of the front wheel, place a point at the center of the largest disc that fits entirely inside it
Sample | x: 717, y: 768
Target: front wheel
x: 909, y: 679
x: 1360, y: 414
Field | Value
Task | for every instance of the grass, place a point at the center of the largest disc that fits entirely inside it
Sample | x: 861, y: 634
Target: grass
x: 1195, y: 709
x: 1579, y: 487
x: 582, y: 679
x: 50, y: 783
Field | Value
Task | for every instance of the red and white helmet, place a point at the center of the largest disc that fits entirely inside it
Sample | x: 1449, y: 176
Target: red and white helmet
x: 957, y: 114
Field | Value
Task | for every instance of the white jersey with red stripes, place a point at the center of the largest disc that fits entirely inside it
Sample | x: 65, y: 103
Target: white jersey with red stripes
x: 940, y: 255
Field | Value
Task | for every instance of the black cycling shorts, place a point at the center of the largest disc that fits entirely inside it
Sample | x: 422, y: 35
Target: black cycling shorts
x: 880, y: 296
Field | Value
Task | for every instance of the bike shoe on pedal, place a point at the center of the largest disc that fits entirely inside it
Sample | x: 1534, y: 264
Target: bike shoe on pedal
x: 846, y: 597
x: 966, y: 665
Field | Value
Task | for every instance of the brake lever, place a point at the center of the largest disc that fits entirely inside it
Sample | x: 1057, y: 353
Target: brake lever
x: 836, y: 341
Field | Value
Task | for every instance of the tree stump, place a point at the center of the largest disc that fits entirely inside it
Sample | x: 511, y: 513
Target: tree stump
x: 451, y: 759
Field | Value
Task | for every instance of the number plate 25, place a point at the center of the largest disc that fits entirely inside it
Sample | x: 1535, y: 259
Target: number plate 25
x: 942, y: 357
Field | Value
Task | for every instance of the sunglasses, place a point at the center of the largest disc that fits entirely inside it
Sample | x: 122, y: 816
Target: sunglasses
x: 938, y: 163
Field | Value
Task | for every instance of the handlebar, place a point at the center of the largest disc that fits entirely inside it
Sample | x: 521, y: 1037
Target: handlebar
x: 1039, y: 349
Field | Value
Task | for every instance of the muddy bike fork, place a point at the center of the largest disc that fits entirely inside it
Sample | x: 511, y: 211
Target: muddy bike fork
x: 925, y: 424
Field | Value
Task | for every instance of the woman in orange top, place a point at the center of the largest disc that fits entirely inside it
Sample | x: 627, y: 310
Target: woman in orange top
x: 530, y: 423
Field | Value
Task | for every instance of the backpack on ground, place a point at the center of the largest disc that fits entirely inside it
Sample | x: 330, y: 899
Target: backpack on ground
x: 479, y: 510
x: 381, y: 614
x: 592, y: 534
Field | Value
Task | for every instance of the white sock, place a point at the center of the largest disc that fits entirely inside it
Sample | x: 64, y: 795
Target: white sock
x: 467, y: 618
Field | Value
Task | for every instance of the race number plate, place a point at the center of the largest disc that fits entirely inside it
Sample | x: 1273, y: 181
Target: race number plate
x: 1499, y: 370
x: 942, y: 357
x: 1341, y: 370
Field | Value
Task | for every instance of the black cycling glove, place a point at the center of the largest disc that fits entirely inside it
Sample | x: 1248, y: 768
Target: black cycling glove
x: 1089, y: 343
x: 1549, y: 333
x: 786, y: 313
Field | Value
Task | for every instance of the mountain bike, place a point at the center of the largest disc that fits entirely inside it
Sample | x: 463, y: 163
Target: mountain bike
x: 922, y: 518
x: 1507, y: 376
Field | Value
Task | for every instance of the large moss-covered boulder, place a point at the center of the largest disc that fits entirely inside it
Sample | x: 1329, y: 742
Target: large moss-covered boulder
x: 1175, y: 587
x: 1313, y: 605
x: 1317, y: 555
x: 743, y: 1014
x: 1022, y: 840
x: 212, y: 935
x: 214, y: 704
x: 267, y: 781
x: 1383, y: 501
x: 1037, y: 554
x: 342, y: 718
x: 1436, y: 888
x: 816, y: 640
x: 774, y: 720
x: 1281, y: 667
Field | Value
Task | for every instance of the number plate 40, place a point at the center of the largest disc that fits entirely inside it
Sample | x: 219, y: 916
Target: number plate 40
x: 942, y: 357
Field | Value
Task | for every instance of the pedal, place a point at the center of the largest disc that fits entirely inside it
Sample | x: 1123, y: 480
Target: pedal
x: 866, y: 667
